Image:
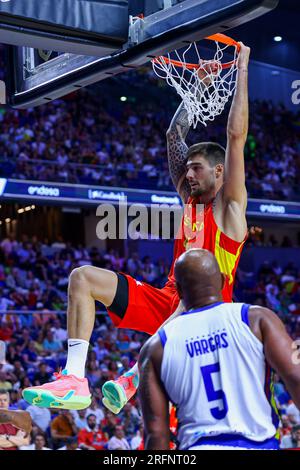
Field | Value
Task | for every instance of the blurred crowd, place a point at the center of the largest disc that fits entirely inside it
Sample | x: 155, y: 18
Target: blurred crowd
x: 89, y: 138
x: 34, y: 274
x: 34, y: 277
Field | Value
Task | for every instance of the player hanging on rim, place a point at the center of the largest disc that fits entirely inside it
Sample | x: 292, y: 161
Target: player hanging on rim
x: 205, y: 174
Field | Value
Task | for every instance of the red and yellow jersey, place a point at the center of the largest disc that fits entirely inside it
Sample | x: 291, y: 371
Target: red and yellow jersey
x: 199, y: 230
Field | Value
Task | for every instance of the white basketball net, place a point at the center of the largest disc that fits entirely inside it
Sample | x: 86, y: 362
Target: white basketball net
x: 204, y: 89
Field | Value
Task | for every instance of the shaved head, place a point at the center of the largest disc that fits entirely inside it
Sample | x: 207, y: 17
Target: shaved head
x: 198, y: 277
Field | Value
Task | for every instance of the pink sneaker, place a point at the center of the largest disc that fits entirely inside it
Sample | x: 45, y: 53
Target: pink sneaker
x: 67, y: 392
x: 116, y: 393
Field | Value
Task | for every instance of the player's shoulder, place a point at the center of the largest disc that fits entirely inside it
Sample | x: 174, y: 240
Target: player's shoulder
x: 266, y: 317
x: 262, y: 319
x: 257, y: 311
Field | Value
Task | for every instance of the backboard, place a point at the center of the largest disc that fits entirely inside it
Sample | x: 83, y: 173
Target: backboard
x: 38, y: 76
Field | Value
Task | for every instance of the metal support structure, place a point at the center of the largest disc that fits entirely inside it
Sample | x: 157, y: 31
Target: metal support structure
x: 167, y: 29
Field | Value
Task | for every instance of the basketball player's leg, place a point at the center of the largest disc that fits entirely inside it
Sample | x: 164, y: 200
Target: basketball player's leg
x: 118, y: 392
x: 86, y: 284
x: 147, y: 310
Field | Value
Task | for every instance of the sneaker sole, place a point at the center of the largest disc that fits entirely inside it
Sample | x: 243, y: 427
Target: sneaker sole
x: 115, y: 394
x: 45, y: 399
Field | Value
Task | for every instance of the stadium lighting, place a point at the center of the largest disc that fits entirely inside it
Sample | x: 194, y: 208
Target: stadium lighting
x: 277, y: 38
x: 26, y: 209
x: 123, y: 98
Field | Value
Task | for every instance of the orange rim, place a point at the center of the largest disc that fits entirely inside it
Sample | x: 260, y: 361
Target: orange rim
x: 222, y: 38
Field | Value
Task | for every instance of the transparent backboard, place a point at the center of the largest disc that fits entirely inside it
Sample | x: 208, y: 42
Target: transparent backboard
x: 38, y: 76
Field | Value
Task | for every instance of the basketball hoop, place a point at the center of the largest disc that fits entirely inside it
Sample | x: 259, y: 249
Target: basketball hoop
x: 205, y: 86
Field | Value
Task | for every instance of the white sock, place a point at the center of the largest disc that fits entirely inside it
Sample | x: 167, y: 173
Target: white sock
x: 77, y: 354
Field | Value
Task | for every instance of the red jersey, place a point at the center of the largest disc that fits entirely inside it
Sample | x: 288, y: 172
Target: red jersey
x: 10, y: 430
x: 149, y: 307
x: 96, y: 439
x: 199, y: 230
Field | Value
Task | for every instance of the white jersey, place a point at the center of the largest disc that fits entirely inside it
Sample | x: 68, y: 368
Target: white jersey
x: 214, y: 371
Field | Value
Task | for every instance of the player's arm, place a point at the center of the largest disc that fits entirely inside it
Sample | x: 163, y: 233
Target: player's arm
x: 14, y: 441
x: 19, y: 439
x: 4, y: 443
x: 154, y: 401
x: 280, y: 350
x: 234, y: 189
x: 177, y: 151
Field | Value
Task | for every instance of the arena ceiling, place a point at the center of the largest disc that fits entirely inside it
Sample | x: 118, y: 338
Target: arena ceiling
x: 284, y: 21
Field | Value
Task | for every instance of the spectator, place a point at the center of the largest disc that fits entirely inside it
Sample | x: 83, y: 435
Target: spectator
x: 92, y: 438
x: 93, y: 373
x: 39, y: 340
x: 29, y: 353
x: 62, y: 428
x: 50, y: 345
x: 148, y: 270
x: 135, y: 343
x: 96, y: 410
x: 80, y: 418
x: 130, y: 147
x: 15, y: 397
x: 41, y: 417
x: 71, y: 443
x: 137, y: 442
x: 130, y: 419
x: 125, y: 365
x: 293, y: 413
x: 291, y: 441
x: 100, y: 349
x: 11, y: 438
x: 59, y: 334
x: 42, y: 376
x: 5, y: 384
x: 109, y: 423
x: 286, y: 427
x: 39, y: 443
x: 118, y: 441
x: 134, y: 264
x: 122, y: 342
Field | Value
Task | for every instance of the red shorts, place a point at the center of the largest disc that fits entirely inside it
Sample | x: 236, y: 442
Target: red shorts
x: 148, y: 307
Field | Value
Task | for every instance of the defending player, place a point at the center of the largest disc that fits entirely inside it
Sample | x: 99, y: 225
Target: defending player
x: 213, y: 362
x: 204, y: 174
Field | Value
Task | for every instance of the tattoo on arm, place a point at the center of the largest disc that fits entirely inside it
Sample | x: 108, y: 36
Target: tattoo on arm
x: 177, y: 148
x: 180, y: 121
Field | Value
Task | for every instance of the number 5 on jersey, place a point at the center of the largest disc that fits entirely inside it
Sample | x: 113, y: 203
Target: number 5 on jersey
x: 211, y: 393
